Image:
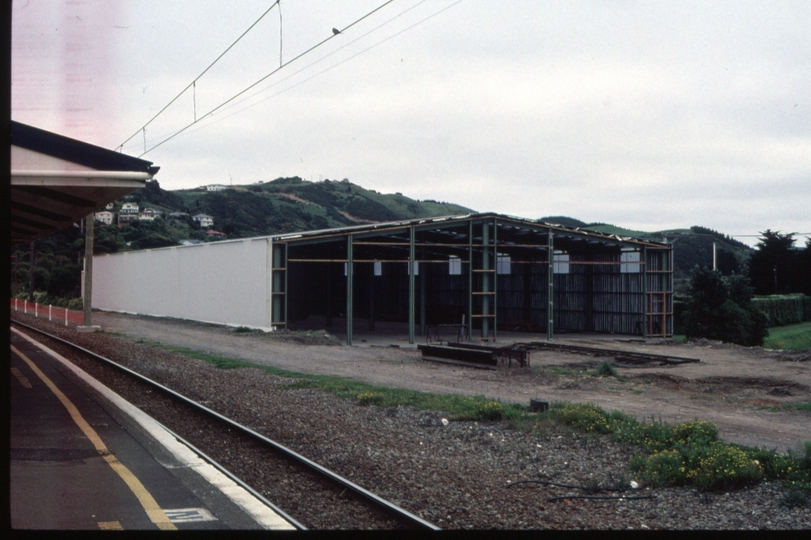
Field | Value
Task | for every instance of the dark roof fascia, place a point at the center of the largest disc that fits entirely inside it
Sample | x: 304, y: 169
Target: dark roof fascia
x: 311, y: 237
x: 89, y: 155
x: 372, y: 229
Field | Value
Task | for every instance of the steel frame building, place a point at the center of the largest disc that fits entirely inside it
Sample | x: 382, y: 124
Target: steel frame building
x: 488, y: 272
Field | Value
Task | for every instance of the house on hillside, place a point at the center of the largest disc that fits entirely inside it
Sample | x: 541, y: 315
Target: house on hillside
x: 149, y: 214
x: 213, y: 233
x: 129, y: 208
x: 203, y: 220
x: 215, y: 187
x: 105, y: 217
x: 126, y: 219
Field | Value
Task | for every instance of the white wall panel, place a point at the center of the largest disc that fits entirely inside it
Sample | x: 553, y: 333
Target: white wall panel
x: 220, y: 282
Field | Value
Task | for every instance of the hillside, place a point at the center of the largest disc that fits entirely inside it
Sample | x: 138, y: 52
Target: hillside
x: 691, y: 247
x: 292, y: 204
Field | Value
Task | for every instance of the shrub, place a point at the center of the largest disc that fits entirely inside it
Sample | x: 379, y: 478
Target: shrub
x: 243, y: 330
x: 782, y: 309
x: 490, y: 410
x: 802, y: 455
x: 370, y: 398
x: 722, y: 309
x: 665, y: 468
x: 606, y: 370
x: 719, y: 466
x: 695, y: 432
x: 795, y: 498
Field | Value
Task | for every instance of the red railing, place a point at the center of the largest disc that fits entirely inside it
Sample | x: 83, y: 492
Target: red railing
x: 52, y: 313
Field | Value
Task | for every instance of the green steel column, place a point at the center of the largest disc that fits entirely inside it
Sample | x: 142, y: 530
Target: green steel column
x: 485, y: 280
x: 645, y: 292
x: 663, y: 286
x: 411, y: 310
x: 550, y: 289
x: 286, y: 274
x: 495, y: 280
x: 470, y: 281
x: 277, y: 287
x: 669, y: 288
x: 422, y: 294
x: 349, y: 295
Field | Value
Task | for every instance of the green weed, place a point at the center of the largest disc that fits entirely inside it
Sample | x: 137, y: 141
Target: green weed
x: 243, y: 330
x: 804, y: 406
x: 684, y: 454
x: 606, y: 370
x: 790, y: 337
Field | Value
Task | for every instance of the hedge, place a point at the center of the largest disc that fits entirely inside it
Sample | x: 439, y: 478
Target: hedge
x: 784, y: 309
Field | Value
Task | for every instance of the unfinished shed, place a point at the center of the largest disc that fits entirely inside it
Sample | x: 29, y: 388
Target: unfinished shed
x: 482, y: 273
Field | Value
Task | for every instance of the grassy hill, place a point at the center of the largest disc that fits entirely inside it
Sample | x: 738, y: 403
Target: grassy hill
x: 292, y: 204
x: 691, y: 247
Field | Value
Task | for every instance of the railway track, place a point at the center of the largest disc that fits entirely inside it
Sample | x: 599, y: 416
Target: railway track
x: 308, y: 495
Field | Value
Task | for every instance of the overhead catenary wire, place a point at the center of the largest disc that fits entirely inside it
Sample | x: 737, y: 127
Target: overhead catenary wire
x: 376, y: 28
x: 262, y: 79
x: 192, y: 84
x: 222, y: 105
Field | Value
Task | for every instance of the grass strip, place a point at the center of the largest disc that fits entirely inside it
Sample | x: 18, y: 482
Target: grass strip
x: 670, y: 455
x: 805, y: 406
x: 791, y: 337
x: 458, y: 407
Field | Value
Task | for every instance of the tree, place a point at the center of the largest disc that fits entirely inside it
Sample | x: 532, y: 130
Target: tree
x: 721, y: 308
x: 804, y: 272
x: 771, y: 268
x: 65, y: 281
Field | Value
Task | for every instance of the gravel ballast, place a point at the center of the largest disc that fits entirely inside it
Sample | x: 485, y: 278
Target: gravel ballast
x: 454, y: 474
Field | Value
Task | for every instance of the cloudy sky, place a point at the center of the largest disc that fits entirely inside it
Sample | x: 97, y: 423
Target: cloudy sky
x: 648, y: 115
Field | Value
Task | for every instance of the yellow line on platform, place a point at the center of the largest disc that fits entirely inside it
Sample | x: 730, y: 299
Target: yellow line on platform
x: 22, y: 378
x: 155, y: 513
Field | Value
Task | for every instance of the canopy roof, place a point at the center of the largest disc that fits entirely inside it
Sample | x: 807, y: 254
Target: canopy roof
x: 56, y: 180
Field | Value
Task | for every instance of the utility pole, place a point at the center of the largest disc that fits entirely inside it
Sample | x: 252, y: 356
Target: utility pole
x: 87, y: 297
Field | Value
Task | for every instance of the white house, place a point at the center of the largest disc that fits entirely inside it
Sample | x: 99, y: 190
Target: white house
x: 204, y: 220
x: 215, y: 187
x: 129, y: 208
x: 105, y: 217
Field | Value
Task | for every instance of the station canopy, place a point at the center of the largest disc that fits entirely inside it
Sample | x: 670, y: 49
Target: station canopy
x: 56, y: 181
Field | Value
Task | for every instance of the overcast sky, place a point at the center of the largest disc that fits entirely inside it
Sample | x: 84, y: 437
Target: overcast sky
x: 648, y: 115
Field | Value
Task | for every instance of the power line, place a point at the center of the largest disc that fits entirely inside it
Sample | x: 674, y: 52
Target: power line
x: 330, y: 54
x: 192, y: 84
x: 221, y: 105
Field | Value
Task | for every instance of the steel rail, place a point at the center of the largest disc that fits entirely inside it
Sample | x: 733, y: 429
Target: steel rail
x: 378, y: 501
x: 607, y: 352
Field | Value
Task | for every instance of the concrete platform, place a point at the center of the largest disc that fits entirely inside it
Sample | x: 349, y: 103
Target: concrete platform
x: 82, y: 458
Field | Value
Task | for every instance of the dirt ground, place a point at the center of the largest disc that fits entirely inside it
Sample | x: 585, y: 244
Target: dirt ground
x: 732, y: 387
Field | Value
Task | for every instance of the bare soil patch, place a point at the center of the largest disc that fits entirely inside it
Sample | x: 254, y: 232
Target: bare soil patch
x: 732, y: 386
